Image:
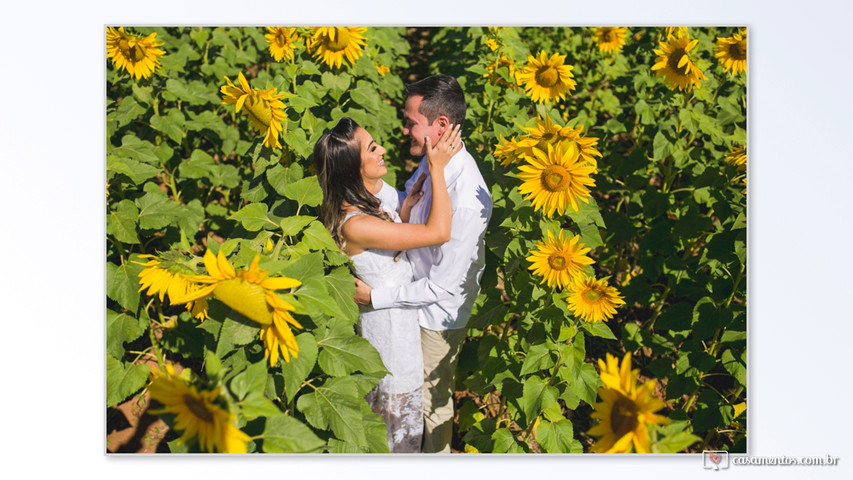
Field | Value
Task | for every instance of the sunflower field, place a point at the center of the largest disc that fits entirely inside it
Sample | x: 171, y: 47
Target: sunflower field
x: 612, y: 312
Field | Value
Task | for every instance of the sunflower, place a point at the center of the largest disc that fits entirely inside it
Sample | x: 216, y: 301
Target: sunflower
x: 492, y: 44
x: 674, y: 64
x: 281, y: 41
x: 593, y: 300
x: 737, y: 157
x: 674, y: 31
x: 610, y: 39
x: 509, y: 151
x: 382, y: 69
x: 556, y: 180
x: 332, y: 44
x: 264, y: 108
x: 494, y: 76
x: 168, y: 275
x: 625, y: 410
x: 559, y: 260
x: 731, y: 52
x: 199, y: 413
x: 546, y: 78
x: 252, y: 293
x: 138, y: 56
x: 546, y: 132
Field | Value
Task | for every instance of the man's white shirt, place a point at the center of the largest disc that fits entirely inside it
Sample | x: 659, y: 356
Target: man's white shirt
x: 446, y: 276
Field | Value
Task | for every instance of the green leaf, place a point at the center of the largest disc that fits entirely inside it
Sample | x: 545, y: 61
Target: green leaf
x: 306, y: 191
x: 343, y: 352
x: 598, y: 329
x: 121, y: 222
x: 252, y: 379
x: 206, y: 120
x: 305, y: 268
x: 135, y: 149
x: 293, y: 225
x: 128, y: 110
x: 586, y: 383
x: 194, y: 92
x: 257, y: 405
x: 253, y: 217
x: 235, y: 332
x: 199, y: 165
x: 156, y: 211
x: 138, y: 172
x: 122, y: 381
x: 734, y: 365
x: 341, y: 287
x: 121, y: 328
x: 675, y: 443
x: 285, y: 434
x: 297, y: 140
x: 335, y: 405
x: 557, y: 437
x: 297, y: 369
x: 661, y: 145
x: 316, y: 237
x: 172, y: 125
x: 191, y: 216
x: 538, y: 358
x: 367, y: 96
x: 537, y: 396
x: 123, y: 284
x: 505, y: 442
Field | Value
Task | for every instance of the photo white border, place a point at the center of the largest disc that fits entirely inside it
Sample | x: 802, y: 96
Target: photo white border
x: 52, y: 141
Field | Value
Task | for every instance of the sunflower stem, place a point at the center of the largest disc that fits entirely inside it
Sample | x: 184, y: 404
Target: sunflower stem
x: 650, y: 323
x: 156, y: 346
x: 172, y: 186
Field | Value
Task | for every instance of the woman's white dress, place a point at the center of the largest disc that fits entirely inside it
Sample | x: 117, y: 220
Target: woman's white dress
x: 396, y: 335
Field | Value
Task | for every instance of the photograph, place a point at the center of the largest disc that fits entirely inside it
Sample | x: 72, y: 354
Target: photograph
x: 426, y: 239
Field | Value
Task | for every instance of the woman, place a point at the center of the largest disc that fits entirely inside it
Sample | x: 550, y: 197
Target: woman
x: 350, y: 167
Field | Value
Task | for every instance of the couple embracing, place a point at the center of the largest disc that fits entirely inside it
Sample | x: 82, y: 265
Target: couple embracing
x: 418, y: 255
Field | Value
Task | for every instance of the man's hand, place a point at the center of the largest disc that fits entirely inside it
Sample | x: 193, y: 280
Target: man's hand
x: 362, y: 292
x: 412, y: 199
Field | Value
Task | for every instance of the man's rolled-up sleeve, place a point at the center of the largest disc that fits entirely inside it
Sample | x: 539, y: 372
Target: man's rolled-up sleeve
x: 450, y: 268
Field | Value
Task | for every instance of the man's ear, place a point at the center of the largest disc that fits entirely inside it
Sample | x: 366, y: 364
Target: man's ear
x: 443, y: 124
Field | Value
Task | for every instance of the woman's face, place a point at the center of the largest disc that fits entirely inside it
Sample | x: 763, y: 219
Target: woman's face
x: 372, y: 163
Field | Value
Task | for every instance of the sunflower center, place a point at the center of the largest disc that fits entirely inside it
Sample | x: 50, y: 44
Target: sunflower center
x: 258, y: 110
x: 592, y: 295
x: 675, y: 58
x: 738, y: 50
x: 281, y: 38
x: 198, y: 408
x: 558, y: 261
x: 623, y: 416
x: 340, y: 41
x: 131, y: 50
x: 245, y: 297
x: 555, y: 178
x: 547, y: 76
x: 607, y: 36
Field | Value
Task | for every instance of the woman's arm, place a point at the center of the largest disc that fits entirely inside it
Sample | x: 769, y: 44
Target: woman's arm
x: 363, y: 231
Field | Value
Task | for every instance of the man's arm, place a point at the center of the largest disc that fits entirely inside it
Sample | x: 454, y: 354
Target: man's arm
x: 447, y: 277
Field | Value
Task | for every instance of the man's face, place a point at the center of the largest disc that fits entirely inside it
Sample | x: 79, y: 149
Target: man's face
x: 417, y: 127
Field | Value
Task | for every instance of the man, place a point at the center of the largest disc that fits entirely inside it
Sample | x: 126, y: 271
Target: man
x: 446, y: 276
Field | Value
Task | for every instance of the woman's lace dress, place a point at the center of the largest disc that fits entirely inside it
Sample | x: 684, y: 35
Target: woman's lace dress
x: 395, y: 333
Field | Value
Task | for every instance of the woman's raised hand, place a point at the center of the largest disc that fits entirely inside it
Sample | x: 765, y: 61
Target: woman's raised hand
x: 449, y: 144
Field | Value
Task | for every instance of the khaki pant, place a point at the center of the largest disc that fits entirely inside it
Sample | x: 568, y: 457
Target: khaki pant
x: 441, y: 352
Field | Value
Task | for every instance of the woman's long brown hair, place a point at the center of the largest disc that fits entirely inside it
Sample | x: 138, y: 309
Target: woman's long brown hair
x: 337, y: 159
